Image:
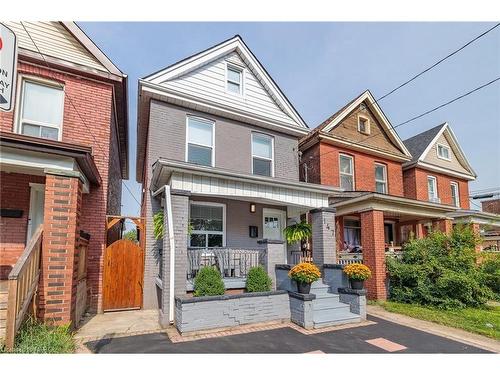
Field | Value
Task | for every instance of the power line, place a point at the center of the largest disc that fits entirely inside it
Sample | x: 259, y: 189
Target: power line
x: 438, y: 62
x: 485, y: 190
x: 76, y: 110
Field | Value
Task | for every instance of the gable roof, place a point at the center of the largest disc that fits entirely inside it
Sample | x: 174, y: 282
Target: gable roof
x: 420, y: 145
x: 64, y: 45
x: 334, y: 120
x: 236, y: 44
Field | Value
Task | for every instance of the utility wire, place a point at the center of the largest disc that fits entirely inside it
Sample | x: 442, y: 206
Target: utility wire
x: 76, y: 110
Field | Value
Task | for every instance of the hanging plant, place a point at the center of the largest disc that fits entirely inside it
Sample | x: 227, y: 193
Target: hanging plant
x: 297, y: 232
x: 158, y: 225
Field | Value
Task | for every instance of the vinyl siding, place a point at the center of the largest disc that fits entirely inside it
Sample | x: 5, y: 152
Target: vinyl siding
x: 453, y: 164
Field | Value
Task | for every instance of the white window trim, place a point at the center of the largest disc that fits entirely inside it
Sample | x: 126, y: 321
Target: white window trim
x: 260, y: 157
x: 367, y: 124
x: 455, y: 184
x: 22, y: 78
x: 446, y: 147
x: 384, y: 181
x: 212, y: 204
x: 352, y: 175
x: 242, y: 71
x: 208, y: 121
x: 436, y: 196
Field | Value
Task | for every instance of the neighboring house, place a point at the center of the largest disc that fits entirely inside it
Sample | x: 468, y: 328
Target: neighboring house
x: 392, y: 189
x: 63, y: 156
x: 491, y: 236
x: 217, y: 148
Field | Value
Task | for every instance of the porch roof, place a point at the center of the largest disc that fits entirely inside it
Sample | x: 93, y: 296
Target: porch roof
x: 209, y: 181
x: 34, y: 155
x: 476, y: 217
x: 355, y: 202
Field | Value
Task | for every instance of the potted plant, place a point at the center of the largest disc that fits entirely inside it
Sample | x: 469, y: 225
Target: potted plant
x: 357, y: 274
x: 297, y: 232
x: 304, y: 275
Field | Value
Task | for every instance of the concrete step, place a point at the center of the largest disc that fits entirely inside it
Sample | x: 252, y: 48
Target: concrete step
x: 327, y: 303
x: 353, y: 318
x: 331, y: 313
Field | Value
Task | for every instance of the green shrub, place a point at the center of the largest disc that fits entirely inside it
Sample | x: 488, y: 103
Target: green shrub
x: 208, y: 282
x: 258, y: 280
x: 490, y: 271
x: 36, y: 337
x: 439, y: 270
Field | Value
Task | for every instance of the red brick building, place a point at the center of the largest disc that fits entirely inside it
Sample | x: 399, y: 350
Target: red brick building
x: 64, y: 154
x: 393, y: 190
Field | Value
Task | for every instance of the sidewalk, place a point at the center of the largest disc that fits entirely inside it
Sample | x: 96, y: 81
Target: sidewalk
x: 436, y: 329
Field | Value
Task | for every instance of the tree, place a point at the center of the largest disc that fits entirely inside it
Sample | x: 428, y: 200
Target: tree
x: 131, y: 235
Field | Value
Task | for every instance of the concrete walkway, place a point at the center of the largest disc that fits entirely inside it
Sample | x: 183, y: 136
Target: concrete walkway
x: 436, y: 329
x: 118, y: 324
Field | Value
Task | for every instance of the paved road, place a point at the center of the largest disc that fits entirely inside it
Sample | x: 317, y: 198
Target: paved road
x: 288, y: 340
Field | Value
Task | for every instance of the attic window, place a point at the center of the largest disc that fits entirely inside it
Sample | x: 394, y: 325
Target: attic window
x: 443, y: 152
x: 234, y: 79
x: 363, y: 125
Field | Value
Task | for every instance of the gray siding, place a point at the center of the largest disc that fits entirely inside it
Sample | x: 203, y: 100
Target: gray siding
x: 167, y: 138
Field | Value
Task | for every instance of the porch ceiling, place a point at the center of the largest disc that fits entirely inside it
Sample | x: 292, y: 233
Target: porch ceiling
x: 208, y: 181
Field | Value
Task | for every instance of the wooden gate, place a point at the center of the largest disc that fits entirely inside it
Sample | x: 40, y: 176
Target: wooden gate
x: 123, y: 271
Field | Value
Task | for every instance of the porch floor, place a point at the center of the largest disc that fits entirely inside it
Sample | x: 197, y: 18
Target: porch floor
x: 116, y: 324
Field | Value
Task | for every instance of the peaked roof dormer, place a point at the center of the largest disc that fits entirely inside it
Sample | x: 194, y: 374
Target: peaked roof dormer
x: 378, y: 137
x: 203, y: 77
x: 429, y: 151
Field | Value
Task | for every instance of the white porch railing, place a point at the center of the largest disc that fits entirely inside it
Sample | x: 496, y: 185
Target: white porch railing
x: 349, y: 258
x: 231, y: 262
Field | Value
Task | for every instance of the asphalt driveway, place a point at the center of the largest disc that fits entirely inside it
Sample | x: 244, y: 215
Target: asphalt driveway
x: 383, y: 337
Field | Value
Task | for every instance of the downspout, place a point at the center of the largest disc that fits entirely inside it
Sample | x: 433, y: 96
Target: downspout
x: 170, y: 223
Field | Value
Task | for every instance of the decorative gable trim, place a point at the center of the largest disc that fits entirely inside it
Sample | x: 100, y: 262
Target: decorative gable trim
x: 384, y: 121
x: 455, y: 148
x: 234, y: 44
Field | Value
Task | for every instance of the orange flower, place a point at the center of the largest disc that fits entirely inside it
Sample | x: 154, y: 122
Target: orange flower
x: 305, y: 272
x: 357, y: 271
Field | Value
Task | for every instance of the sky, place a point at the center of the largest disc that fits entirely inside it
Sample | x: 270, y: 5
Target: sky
x: 322, y: 66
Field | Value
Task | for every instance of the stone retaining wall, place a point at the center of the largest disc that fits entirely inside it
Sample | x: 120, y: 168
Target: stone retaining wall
x: 205, y: 313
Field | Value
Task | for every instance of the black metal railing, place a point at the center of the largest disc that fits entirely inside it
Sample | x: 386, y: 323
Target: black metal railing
x: 231, y: 262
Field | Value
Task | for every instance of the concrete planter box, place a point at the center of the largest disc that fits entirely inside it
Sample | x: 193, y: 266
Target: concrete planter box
x: 218, y: 312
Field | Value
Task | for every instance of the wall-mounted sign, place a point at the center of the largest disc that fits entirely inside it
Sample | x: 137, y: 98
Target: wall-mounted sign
x: 8, y: 67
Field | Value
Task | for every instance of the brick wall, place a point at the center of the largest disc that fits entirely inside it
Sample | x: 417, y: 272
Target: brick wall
x: 325, y: 168
x: 15, y: 194
x: 93, y: 100
x: 492, y: 206
x: 415, y: 186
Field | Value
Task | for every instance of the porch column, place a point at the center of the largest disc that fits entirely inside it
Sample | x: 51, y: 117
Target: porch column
x: 443, y: 225
x: 180, y: 215
x: 323, y: 236
x: 275, y: 254
x: 419, y: 230
x: 477, y: 231
x: 373, y: 243
x: 57, y: 293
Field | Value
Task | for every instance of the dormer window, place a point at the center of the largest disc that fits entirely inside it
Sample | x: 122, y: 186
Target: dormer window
x: 443, y: 152
x: 363, y: 125
x: 234, y: 79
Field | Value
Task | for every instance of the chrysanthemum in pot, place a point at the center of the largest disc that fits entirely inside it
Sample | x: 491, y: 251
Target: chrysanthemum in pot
x: 304, y: 275
x: 357, y: 274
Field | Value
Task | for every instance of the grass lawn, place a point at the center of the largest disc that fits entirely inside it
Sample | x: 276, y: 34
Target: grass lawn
x: 470, y: 319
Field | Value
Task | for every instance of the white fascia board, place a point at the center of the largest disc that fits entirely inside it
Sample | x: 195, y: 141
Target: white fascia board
x: 384, y: 120
x: 199, y: 102
x: 461, y: 153
x: 435, y: 168
x: 431, y: 143
x: 35, y: 160
x: 203, y: 58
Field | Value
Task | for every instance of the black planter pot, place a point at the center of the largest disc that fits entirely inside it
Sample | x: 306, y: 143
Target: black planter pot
x: 303, y: 288
x: 357, y: 284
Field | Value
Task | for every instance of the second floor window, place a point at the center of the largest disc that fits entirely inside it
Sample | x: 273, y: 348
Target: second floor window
x: 432, y: 189
x: 262, y: 154
x: 41, y: 109
x: 200, y: 141
x: 380, y: 178
x: 346, y: 172
x: 455, y: 200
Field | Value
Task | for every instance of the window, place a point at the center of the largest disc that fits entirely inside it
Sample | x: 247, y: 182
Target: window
x: 443, y: 152
x: 389, y: 233
x: 363, y: 125
x: 380, y: 178
x: 234, y: 79
x: 200, y: 141
x: 41, y: 109
x: 346, y: 172
x: 262, y: 154
x: 352, y: 235
x: 454, y: 194
x: 432, y: 189
x: 207, y: 221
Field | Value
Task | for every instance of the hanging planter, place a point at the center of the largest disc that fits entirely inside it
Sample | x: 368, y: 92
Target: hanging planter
x: 297, y: 232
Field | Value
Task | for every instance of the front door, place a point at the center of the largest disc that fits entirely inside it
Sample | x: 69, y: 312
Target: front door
x: 37, y: 200
x: 274, y: 223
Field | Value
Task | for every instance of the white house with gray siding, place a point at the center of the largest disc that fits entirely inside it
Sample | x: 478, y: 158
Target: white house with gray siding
x: 218, y: 154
